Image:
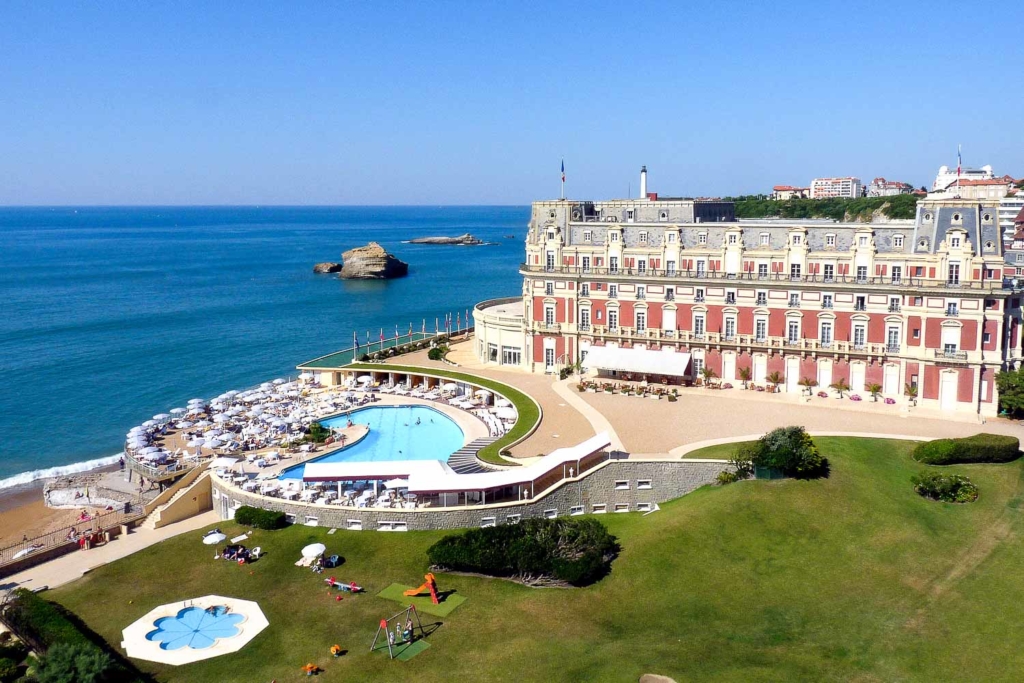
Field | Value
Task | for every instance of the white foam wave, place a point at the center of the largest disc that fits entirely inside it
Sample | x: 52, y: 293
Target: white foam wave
x: 59, y: 471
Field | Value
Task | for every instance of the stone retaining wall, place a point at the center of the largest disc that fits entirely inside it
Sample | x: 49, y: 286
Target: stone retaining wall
x: 618, y: 485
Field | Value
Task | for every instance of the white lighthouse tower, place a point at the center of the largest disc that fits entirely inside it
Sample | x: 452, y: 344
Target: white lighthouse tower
x: 643, y: 182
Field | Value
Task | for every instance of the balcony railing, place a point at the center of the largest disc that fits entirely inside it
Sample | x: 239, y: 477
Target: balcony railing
x: 952, y: 312
x: 894, y: 308
x: 550, y: 327
x: 812, y: 279
x: 955, y: 356
x: 826, y: 304
x: 749, y: 340
x: 892, y: 348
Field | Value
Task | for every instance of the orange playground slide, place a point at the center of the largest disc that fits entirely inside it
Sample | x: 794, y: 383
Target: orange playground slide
x: 429, y: 585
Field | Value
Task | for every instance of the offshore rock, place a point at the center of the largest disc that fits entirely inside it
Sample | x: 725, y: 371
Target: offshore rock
x: 466, y: 239
x: 327, y: 267
x: 371, y: 262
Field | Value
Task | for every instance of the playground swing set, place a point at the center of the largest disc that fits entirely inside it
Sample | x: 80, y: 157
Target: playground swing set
x: 405, y: 623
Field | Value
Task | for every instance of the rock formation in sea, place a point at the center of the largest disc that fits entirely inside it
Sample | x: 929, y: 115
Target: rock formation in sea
x: 327, y: 267
x: 371, y: 262
x: 465, y: 239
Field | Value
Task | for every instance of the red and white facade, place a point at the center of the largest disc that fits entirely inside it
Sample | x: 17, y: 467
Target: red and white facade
x: 922, y: 303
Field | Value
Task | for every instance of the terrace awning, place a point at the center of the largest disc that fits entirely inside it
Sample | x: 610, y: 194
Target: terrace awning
x: 642, y: 361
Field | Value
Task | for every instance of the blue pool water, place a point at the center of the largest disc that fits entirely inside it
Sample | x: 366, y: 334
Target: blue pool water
x: 194, y: 627
x: 394, y: 435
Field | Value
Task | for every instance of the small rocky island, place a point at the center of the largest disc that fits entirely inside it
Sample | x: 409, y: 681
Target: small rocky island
x: 327, y: 267
x: 371, y: 262
x: 462, y: 240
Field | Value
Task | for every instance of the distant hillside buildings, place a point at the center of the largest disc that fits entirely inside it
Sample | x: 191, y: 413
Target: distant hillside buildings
x: 880, y: 187
x: 827, y: 188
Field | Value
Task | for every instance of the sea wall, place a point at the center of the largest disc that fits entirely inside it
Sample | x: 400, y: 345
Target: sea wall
x: 613, y: 486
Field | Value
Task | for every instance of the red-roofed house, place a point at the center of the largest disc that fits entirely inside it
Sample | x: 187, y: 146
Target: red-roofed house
x: 880, y: 187
x: 784, y: 192
x: 981, y: 188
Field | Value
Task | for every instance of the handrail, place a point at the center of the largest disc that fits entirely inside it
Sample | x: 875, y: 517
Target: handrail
x: 907, y: 282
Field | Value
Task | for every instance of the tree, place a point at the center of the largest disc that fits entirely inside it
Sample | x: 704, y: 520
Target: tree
x: 840, y: 385
x: 708, y: 374
x: 789, y: 449
x: 744, y: 376
x: 78, y: 663
x: 874, y: 390
x: 808, y: 383
x: 1011, y: 391
x: 775, y: 379
x: 911, y: 392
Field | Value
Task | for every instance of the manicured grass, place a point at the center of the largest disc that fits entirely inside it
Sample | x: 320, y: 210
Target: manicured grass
x: 423, y: 604
x: 527, y: 409
x: 723, y: 451
x: 855, y: 577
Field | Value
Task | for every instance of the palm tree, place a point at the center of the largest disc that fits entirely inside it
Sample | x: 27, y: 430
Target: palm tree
x: 744, y: 376
x: 874, y: 390
x: 808, y: 384
x: 708, y: 375
x: 775, y: 379
x: 911, y: 391
x: 840, y: 385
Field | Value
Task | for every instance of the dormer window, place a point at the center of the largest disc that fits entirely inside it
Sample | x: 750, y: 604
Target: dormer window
x: 671, y: 238
x: 987, y: 218
x: 551, y: 234
x: 702, y: 238
x: 830, y: 240
x: 551, y: 214
x: 664, y: 215
x: 928, y: 217
x: 954, y: 242
x: 862, y: 241
x: 643, y: 235
x: 587, y: 235
x: 765, y: 239
x: 956, y: 218
x: 614, y: 237
x: 989, y: 246
x: 629, y: 214
x: 732, y: 238
x: 897, y: 241
x: 797, y: 240
x: 923, y: 244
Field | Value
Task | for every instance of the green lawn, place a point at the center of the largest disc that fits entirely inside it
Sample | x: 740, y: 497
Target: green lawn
x: 527, y: 409
x: 850, y: 578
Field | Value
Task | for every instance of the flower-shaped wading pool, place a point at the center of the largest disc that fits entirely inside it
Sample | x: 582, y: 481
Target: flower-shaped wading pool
x: 195, y: 627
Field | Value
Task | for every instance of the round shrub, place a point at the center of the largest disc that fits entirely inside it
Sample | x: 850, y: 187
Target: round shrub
x: 8, y: 669
x: 259, y: 518
x: 991, y: 448
x: 437, y: 353
x: 948, y: 488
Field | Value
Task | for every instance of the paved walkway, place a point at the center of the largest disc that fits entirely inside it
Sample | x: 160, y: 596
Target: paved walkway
x: 71, y: 566
x: 567, y: 390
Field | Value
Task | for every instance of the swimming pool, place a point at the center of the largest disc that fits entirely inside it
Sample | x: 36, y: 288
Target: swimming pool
x: 195, y: 627
x: 396, y: 433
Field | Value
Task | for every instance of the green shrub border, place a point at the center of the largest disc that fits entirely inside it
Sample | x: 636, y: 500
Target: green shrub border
x: 41, y: 624
x: 980, y: 448
x: 260, y: 518
x: 528, y: 409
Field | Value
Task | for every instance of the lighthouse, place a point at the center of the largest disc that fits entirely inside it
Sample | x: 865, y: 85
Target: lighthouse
x: 643, y: 182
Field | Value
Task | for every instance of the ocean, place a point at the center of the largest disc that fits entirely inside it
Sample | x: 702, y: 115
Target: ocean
x: 110, y: 315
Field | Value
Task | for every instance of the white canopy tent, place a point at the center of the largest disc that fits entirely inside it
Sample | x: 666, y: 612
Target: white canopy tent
x: 640, y: 361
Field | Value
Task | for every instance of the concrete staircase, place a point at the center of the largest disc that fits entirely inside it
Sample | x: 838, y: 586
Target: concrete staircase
x: 153, y: 520
x: 464, y: 460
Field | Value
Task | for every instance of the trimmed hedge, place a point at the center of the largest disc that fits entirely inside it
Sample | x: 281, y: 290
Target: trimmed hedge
x: 571, y: 551
x: 977, y: 448
x: 259, y: 518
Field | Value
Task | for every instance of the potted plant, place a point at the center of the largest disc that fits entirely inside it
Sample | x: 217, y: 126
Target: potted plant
x: 911, y: 391
x: 808, y: 383
x: 874, y: 390
x: 841, y: 386
x: 744, y: 376
x: 774, y: 379
x: 708, y: 374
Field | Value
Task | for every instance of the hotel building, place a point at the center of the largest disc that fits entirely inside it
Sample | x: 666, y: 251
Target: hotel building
x: 920, y: 303
x: 826, y: 188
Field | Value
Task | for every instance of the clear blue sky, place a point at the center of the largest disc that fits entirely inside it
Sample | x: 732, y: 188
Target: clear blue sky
x: 476, y: 103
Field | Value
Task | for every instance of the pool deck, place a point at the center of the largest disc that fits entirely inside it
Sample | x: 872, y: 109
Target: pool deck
x: 137, y: 646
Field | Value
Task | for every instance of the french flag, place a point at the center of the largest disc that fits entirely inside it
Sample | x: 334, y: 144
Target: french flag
x: 563, y: 170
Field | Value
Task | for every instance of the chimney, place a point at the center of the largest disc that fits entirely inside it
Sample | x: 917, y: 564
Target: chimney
x: 643, y: 182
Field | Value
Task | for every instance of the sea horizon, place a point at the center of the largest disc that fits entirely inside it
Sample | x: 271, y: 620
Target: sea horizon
x: 117, y: 313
